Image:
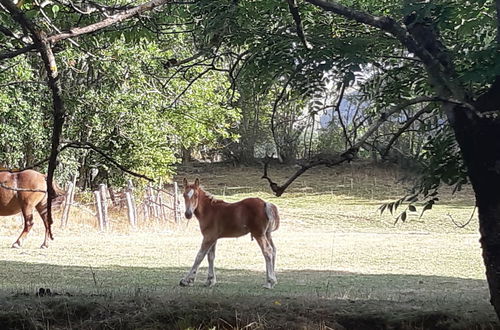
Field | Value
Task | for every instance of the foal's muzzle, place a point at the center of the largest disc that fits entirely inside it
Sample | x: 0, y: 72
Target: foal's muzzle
x: 188, y: 214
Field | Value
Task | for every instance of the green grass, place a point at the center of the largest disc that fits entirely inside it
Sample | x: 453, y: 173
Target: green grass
x: 339, y: 263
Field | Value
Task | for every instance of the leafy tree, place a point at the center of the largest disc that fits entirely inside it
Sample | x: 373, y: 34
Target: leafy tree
x: 457, y: 48
x: 121, y: 97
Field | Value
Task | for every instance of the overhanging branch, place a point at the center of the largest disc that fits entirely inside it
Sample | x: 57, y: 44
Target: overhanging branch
x: 77, y: 31
x: 88, y: 145
x: 17, y: 52
x: 121, y: 16
x: 346, y: 156
x: 428, y: 108
x: 294, y: 10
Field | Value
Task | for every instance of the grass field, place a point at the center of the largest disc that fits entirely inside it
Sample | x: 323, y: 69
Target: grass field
x: 340, y: 264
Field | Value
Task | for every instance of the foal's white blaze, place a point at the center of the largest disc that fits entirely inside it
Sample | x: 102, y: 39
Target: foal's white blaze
x: 189, y: 195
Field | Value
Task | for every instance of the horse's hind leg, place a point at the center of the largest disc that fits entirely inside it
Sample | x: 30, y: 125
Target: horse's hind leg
x: 42, y: 210
x: 267, y: 251
x: 270, y: 240
x: 211, y: 280
x: 28, y: 223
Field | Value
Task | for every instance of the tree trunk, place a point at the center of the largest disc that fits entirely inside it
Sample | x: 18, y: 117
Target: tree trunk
x: 247, y: 149
x: 186, y: 155
x: 479, y: 140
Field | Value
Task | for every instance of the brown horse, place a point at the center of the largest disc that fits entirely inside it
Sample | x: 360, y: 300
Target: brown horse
x: 219, y: 219
x: 22, y: 192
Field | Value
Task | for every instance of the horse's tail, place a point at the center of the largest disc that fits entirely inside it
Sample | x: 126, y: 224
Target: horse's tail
x: 44, y: 210
x: 273, y: 217
x: 59, y: 196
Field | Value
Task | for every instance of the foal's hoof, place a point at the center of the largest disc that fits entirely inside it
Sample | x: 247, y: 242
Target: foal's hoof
x: 16, y: 245
x: 210, y: 284
x: 270, y: 284
x: 44, y: 246
x: 185, y: 282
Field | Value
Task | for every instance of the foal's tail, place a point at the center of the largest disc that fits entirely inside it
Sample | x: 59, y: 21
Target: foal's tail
x: 273, y: 217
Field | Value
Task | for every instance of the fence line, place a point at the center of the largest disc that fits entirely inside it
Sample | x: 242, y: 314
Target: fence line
x: 153, y: 204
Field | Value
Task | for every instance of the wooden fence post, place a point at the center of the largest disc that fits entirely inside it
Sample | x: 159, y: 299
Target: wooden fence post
x: 161, y: 209
x: 176, y: 203
x: 98, y: 206
x: 130, y: 206
x: 104, y: 204
x: 149, y: 201
x: 130, y: 189
x: 154, y: 202
x: 67, y: 204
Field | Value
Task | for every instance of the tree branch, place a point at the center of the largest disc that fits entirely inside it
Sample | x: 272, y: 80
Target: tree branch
x: 275, y: 109
x: 337, y: 109
x: 17, y: 52
x: 179, y: 96
x: 74, y: 32
x: 88, y: 145
x: 294, y: 10
x: 349, y: 154
x: 7, y: 32
x: 428, y: 108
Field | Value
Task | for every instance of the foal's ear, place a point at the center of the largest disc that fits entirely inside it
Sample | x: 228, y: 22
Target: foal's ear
x: 184, y: 182
x: 197, y: 182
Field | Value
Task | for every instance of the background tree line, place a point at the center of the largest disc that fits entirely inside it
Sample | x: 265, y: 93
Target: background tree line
x: 163, y: 89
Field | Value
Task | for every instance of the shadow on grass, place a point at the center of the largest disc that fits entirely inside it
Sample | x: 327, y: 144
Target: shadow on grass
x: 136, y: 297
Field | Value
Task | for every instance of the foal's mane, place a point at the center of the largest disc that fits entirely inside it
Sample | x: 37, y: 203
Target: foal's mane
x: 211, y: 197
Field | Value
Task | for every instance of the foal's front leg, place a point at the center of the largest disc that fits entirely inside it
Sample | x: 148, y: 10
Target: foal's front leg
x: 206, y: 245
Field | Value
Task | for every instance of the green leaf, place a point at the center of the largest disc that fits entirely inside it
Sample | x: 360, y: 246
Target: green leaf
x: 55, y: 9
x: 427, y: 206
x: 382, y: 208
x: 403, y: 216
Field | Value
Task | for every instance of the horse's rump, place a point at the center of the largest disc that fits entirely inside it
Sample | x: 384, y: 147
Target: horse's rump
x: 273, y: 217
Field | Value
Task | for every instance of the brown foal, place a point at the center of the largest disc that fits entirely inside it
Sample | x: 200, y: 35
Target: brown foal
x: 22, y: 192
x: 220, y: 219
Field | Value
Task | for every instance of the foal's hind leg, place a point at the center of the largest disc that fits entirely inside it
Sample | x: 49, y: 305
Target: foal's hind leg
x: 42, y: 210
x: 267, y: 251
x: 211, y: 280
x: 270, y: 240
x: 28, y: 223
